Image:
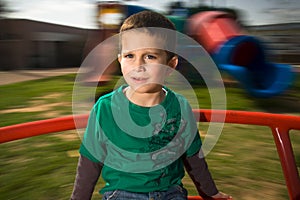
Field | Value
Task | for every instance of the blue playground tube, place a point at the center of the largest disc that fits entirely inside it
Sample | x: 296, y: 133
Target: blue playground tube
x: 243, y: 57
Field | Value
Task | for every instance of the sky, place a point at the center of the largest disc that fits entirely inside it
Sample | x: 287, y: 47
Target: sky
x: 82, y: 13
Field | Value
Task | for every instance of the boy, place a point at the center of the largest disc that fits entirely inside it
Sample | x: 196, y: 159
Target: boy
x: 142, y: 135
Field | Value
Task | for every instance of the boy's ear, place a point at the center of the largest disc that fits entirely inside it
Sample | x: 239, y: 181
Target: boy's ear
x: 119, y: 58
x: 173, y: 62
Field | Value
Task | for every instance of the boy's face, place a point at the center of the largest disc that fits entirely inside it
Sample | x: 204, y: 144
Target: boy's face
x: 144, y: 63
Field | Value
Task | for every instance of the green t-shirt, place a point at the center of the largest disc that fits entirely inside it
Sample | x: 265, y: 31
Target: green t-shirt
x: 141, y: 147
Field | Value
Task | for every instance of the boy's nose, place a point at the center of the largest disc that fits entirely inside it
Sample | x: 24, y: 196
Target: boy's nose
x: 140, y: 68
x: 140, y: 64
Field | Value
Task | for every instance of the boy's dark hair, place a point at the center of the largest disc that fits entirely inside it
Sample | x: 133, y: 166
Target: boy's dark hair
x: 147, y: 19
x: 151, y: 19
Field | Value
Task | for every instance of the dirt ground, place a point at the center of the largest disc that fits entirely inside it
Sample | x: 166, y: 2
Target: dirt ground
x: 8, y: 77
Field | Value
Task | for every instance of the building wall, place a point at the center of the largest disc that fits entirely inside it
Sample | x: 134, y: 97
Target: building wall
x: 26, y: 44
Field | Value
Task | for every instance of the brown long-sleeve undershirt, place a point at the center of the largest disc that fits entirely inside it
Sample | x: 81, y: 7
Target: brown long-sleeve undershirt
x: 88, y: 173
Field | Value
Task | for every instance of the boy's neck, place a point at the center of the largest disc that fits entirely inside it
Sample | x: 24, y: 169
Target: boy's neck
x: 148, y: 99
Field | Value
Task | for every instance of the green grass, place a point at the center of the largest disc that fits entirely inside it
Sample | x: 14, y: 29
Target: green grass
x: 244, y: 162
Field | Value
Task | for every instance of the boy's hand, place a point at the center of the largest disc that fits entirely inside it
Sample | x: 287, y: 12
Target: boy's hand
x: 222, y: 196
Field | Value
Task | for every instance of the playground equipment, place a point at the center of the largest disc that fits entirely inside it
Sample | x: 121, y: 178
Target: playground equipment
x: 240, y: 55
x: 280, y: 125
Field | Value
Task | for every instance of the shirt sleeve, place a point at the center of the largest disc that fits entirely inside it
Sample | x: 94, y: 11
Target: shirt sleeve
x: 93, y: 144
x: 191, y: 133
x: 195, y: 146
x: 197, y: 169
x: 87, y: 176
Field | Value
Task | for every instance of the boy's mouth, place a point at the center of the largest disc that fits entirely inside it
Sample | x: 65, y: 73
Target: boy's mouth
x: 139, y: 79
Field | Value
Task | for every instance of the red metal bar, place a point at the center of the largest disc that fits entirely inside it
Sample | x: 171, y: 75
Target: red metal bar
x: 287, y: 159
x: 280, y: 125
x: 30, y: 129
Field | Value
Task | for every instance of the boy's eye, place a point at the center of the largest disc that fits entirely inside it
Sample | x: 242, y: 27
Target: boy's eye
x: 128, y: 56
x: 151, y: 57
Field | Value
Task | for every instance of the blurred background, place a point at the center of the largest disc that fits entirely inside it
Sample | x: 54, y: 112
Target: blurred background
x: 254, y: 43
x: 51, y: 34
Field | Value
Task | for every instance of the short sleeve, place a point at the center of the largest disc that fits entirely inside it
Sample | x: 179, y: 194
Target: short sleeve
x: 93, y: 144
x: 195, y: 146
x: 191, y: 134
